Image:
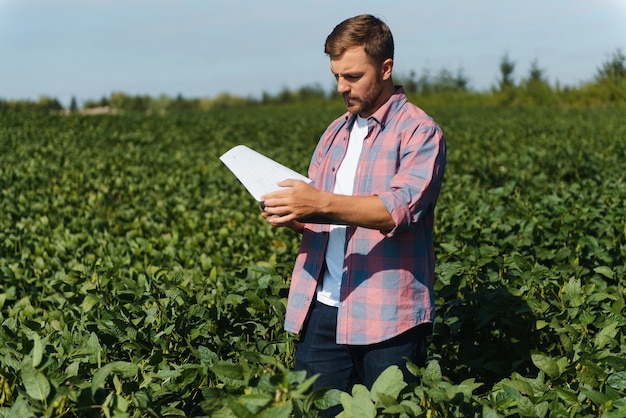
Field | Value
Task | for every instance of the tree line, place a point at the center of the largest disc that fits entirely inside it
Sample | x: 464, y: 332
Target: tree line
x: 607, y: 87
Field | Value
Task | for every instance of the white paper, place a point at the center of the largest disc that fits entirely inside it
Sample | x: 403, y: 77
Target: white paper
x: 258, y: 173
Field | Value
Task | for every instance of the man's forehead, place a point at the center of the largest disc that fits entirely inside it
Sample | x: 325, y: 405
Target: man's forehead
x: 353, y: 59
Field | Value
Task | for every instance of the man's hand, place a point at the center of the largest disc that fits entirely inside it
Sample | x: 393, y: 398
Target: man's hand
x: 299, y: 201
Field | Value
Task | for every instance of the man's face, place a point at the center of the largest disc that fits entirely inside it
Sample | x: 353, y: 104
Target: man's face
x: 360, y: 81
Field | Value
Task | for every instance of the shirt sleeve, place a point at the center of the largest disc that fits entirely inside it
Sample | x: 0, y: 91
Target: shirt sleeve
x: 414, y: 188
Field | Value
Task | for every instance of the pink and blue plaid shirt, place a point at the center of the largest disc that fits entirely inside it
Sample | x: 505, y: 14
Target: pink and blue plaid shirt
x: 387, y: 283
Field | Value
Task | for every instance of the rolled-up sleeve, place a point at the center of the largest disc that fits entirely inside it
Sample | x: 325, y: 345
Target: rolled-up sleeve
x: 414, y: 187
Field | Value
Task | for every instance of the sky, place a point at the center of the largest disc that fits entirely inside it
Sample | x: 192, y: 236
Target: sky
x: 89, y: 49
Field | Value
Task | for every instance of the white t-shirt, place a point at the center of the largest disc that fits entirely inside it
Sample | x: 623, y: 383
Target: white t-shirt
x: 328, y: 292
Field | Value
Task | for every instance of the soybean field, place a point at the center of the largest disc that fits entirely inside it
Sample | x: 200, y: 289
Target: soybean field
x: 138, y: 279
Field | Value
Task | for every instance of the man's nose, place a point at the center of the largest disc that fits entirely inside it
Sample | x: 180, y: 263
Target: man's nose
x: 342, y: 86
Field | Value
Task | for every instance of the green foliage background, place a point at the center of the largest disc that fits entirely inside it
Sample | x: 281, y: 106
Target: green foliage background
x: 138, y: 279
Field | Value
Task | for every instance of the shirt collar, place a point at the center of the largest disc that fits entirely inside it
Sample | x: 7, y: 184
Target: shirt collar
x: 386, y: 112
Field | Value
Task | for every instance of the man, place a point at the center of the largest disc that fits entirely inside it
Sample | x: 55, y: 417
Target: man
x: 361, y: 294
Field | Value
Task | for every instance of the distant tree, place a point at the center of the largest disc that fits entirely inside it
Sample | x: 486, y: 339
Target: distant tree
x: 49, y: 104
x: 179, y: 104
x: 610, y: 80
x: 92, y: 104
x: 118, y: 100
x: 126, y: 103
x: 223, y: 101
x: 536, y: 73
x: 159, y: 105
x: 461, y: 82
x: 507, y: 67
x: 425, y: 83
x: 284, y: 96
x: 311, y: 92
x: 410, y: 83
x: 443, y: 81
x: 613, y: 69
x: 536, y: 88
x: 73, y: 105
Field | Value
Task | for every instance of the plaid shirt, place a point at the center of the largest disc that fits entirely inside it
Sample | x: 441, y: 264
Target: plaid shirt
x: 387, y: 283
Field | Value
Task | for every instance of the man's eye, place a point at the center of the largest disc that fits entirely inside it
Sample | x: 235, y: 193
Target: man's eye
x: 347, y: 77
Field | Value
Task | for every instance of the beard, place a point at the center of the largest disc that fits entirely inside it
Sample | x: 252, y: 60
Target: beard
x: 368, y: 103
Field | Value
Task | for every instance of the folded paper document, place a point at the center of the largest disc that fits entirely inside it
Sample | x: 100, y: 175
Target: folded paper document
x: 258, y: 173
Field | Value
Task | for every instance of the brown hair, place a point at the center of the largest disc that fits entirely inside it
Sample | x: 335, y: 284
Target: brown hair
x: 363, y: 30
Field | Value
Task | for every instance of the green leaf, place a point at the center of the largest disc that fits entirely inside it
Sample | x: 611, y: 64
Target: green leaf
x: 390, y: 383
x: 541, y: 409
x: 445, y: 271
x: 573, y: 293
x: 393, y: 409
x: 605, y: 271
x: 432, y: 373
x: 303, y: 387
x: 168, y: 374
x: 228, y: 370
x: 567, y: 395
x: 450, y: 248
x: 411, y: 407
x: 327, y: 398
x: 526, y: 407
x: 278, y: 411
x: 35, y: 383
x: 19, y: 409
x: 606, y: 335
x: 256, y: 399
x: 546, y: 364
x: 72, y: 369
x: 346, y: 403
x: 37, y: 350
x: 94, y: 348
x: 468, y: 386
x: 617, y: 381
x: 207, y: 356
x: 489, y: 412
x: 386, y: 400
x: 362, y: 405
x: 239, y: 410
x: 125, y: 368
x: 88, y: 303
x: 596, y: 397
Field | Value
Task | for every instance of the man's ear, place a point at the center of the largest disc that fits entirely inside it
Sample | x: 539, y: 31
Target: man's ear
x: 387, y: 68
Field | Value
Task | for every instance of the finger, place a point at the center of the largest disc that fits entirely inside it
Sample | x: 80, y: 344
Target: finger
x: 271, y: 195
x: 279, y: 220
x: 289, y: 182
x: 274, y: 203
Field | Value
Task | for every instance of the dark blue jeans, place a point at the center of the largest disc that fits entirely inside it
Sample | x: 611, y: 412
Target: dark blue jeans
x: 341, y: 366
